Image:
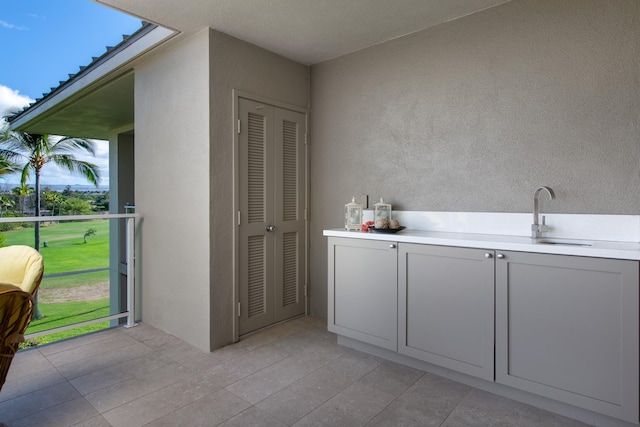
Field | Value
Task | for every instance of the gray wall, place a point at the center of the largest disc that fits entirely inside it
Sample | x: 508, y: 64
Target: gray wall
x: 474, y: 114
x: 237, y: 65
x: 172, y: 180
x: 184, y: 175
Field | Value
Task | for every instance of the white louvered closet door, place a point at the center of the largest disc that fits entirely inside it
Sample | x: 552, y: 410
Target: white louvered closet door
x: 272, y: 235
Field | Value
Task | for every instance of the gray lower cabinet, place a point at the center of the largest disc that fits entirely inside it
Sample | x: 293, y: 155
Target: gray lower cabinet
x: 446, y: 307
x: 362, y: 291
x: 563, y: 327
x: 567, y: 329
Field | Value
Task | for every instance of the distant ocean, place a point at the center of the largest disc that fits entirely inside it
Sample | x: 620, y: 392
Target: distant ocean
x: 60, y: 187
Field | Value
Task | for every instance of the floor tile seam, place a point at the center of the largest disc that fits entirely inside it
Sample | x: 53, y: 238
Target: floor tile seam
x: 382, y: 410
x: 107, y: 336
x: 457, y: 405
x: 285, y: 356
x: 342, y: 388
x: 115, y: 384
x: 251, y: 405
x: 89, y: 416
x: 61, y: 379
x: 48, y: 408
x: 188, y: 404
x: 94, y: 416
x: 287, y: 423
x: 320, y: 366
x: 272, y: 334
x: 92, y: 356
x: 266, y: 367
x: 289, y: 385
x: 97, y: 355
x: 151, y: 391
x: 131, y: 401
x: 275, y: 339
x: 163, y: 415
x: 395, y: 398
x: 404, y: 390
x: 225, y: 359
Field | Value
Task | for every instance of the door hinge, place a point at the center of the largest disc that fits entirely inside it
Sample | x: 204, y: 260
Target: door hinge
x: 238, y: 309
x: 305, y: 215
x: 238, y: 217
x: 305, y: 138
x: 238, y: 125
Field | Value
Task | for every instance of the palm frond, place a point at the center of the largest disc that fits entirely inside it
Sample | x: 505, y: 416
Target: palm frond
x: 73, y: 145
x: 68, y: 161
x: 26, y: 173
x: 6, y: 166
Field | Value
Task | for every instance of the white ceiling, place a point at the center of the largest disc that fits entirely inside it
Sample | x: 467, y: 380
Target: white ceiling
x: 306, y: 31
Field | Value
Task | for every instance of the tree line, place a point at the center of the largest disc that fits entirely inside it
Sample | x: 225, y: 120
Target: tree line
x: 20, y: 201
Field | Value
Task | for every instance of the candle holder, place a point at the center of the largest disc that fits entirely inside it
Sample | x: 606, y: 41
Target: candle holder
x: 353, y: 215
x: 382, y: 210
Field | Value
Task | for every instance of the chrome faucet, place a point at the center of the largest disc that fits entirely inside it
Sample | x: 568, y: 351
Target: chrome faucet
x: 536, y: 228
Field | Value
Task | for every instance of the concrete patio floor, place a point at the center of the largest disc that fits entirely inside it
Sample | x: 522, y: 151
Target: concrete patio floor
x: 291, y: 374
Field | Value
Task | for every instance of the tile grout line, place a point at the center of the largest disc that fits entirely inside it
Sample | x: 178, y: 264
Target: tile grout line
x: 457, y: 405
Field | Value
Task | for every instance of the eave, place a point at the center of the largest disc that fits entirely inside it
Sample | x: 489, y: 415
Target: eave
x: 99, y: 98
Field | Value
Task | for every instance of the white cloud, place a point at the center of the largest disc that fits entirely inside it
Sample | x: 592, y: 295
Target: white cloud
x: 11, y: 26
x: 11, y: 100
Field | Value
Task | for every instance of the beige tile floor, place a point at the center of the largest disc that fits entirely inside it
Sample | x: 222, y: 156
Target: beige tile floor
x: 291, y: 374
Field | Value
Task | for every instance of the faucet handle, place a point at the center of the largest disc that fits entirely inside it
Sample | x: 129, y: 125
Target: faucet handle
x: 543, y: 227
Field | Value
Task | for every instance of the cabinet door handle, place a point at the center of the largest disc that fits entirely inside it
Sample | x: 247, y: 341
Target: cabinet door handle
x: 488, y: 255
x: 501, y: 256
x: 392, y: 246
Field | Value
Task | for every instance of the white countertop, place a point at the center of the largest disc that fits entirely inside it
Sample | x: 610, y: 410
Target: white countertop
x: 598, y: 248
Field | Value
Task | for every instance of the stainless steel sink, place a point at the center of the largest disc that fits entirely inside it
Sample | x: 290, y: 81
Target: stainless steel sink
x: 566, y: 242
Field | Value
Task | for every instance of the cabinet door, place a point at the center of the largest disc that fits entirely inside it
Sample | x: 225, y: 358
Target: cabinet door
x: 363, y: 290
x: 567, y: 329
x: 446, y: 307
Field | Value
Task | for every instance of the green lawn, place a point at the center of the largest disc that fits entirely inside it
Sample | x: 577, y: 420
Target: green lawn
x: 67, y: 252
x: 66, y: 313
x: 86, y: 279
x: 65, y: 249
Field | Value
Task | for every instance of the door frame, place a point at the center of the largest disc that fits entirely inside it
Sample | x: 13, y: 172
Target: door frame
x: 236, y: 95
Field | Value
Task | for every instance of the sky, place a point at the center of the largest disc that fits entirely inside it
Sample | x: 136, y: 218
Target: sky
x: 43, y: 41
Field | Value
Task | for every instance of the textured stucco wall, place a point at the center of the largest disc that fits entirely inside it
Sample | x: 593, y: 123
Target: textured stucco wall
x: 172, y: 184
x: 474, y: 114
x: 184, y: 128
x: 237, y: 65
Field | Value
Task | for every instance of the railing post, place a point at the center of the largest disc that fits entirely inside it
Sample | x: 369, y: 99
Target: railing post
x: 130, y: 273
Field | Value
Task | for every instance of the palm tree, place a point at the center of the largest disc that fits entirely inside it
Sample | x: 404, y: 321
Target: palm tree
x: 54, y: 199
x: 21, y: 194
x: 6, y: 203
x: 36, y: 151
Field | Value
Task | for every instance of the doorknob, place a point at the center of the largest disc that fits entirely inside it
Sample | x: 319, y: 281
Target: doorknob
x: 271, y: 228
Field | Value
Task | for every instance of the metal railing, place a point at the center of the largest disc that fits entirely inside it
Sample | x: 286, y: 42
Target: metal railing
x: 129, y: 314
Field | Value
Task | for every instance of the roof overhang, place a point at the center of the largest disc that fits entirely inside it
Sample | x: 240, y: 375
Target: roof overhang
x: 99, y: 98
